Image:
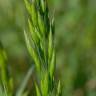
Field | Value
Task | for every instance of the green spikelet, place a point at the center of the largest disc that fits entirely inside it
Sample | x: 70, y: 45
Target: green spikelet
x: 40, y: 43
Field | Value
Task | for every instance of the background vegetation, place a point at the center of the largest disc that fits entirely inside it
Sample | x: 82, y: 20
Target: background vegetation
x: 75, y: 45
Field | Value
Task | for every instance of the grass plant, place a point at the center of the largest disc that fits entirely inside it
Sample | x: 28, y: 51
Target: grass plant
x: 40, y: 44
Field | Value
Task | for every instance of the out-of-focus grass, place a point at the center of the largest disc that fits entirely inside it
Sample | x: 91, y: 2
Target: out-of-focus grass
x: 75, y: 42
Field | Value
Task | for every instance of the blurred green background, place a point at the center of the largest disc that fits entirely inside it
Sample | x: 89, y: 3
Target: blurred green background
x: 75, y: 26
